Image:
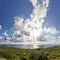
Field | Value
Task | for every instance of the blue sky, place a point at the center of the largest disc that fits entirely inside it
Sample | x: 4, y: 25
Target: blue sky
x: 11, y: 8
x: 53, y: 16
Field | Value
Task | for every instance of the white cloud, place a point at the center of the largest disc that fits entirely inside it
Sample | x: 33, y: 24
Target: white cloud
x: 1, y: 37
x: 18, y: 22
x: 51, y: 30
x: 5, y: 33
x: 50, y: 38
x: 33, y: 25
x: 0, y: 27
x: 7, y: 36
x: 30, y: 30
x: 58, y: 38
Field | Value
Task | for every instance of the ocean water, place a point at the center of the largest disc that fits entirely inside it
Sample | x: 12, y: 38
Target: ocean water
x: 27, y: 46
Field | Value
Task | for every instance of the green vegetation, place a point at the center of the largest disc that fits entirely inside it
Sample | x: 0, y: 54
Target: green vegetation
x: 30, y: 54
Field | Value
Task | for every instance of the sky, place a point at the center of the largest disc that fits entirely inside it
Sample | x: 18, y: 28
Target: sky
x: 22, y: 20
x: 9, y: 9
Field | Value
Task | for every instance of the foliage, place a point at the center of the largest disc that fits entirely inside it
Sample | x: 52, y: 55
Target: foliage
x: 30, y: 54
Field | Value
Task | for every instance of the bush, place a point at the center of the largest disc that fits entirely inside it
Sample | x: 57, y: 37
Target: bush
x: 42, y: 57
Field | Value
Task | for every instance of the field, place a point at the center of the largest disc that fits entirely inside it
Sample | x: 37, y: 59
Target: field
x: 8, y: 53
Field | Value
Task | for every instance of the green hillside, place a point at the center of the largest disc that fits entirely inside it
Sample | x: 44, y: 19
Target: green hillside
x: 7, y: 53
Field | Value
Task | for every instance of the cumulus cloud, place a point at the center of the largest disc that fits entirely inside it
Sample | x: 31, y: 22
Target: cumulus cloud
x: 7, y: 37
x: 1, y: 37
x: 0, y: 27
x: 58, y: 38
x: 51, y: 30
x: 5, y: 33
x: 30, y: 30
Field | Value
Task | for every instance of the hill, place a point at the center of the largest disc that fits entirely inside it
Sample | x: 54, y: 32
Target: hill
x: 8, y: 53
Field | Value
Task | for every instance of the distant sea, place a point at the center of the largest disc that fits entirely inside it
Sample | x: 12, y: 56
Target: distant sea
x: 28, y: 46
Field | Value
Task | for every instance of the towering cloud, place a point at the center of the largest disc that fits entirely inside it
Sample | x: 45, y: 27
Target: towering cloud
x: 30, y: 30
